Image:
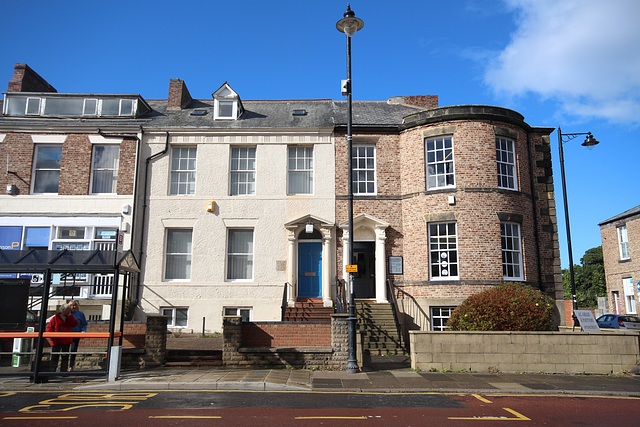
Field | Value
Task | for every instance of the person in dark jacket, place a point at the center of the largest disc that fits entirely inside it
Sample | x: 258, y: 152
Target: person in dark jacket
x: 80, y: 327
x: 63, y: 321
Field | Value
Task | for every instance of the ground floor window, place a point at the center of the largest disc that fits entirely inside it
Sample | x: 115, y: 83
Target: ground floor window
x: 439, y: 317
x: 244, y: 312
x: 177, y: 316
x: 629, y: 297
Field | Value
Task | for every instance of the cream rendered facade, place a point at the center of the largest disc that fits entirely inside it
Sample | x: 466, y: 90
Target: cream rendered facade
x: 276, y: 218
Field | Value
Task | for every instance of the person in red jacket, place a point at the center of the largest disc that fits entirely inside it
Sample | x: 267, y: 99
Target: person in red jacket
x: 63, y: 321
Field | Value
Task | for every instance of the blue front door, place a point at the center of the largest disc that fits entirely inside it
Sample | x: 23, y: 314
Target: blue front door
x: 309, y: 269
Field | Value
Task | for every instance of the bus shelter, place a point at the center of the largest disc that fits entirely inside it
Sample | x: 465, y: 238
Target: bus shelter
x: 21, y: 264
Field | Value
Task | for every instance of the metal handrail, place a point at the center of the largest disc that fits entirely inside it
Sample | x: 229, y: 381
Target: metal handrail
x: 284, y: 301
x: 341, y: 296
x: 399, y: 320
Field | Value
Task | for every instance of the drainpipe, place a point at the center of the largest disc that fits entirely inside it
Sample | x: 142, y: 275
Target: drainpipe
x: 144, y: 208
x: 535, y: 211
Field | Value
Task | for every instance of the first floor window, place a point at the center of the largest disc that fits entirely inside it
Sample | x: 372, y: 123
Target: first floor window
x: 440, y: 169
x: 623, y: 242
x: 240, y: 254
x: 178, y: 316
x: 511, y: 251
x: 243, y: 171
x: 104, y: 168
x: 183, y: 171
x: 300, y: 167
x: 245, y: 313
x: 178, y: 254
x: 439, y: 317
x: 363, y: 174
x: 506, y: 159
x: 443, y: 250
x: 46, y: 168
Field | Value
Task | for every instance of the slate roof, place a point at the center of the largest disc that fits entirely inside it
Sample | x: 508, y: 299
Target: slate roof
x: 262, y: 114
x: 623, y: 215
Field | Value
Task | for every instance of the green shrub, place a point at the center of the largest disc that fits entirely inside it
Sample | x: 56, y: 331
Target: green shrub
x: 507, y: 307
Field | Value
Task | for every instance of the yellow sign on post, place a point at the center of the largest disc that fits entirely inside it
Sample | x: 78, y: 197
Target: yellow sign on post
x: 353, y: 268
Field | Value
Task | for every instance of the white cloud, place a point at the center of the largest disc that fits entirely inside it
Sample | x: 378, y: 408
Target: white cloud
x: 583, y: 53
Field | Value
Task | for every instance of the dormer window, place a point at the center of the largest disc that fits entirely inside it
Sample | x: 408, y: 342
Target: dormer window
x: 227, y: 104
x: 73, y: 105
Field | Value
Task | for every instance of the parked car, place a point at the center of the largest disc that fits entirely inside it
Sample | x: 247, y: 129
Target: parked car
x: 618, y: 321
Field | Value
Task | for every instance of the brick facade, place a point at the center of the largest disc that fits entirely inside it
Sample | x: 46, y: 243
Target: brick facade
x: 617, y: 269
x: 478, y: 207
x: 75, y: 166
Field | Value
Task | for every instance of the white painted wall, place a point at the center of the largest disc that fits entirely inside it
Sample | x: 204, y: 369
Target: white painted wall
x: 207, y: 292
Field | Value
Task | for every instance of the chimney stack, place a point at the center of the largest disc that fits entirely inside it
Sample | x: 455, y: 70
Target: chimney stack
x: 26, y: 80
x: 423, y: 101
x: 179, y: 96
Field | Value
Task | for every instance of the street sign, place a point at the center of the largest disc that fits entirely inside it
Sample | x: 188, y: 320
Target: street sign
x: 353, y: 268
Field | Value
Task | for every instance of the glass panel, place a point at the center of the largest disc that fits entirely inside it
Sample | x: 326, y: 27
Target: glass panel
x: 240, y: 254
x: 105, y: 168
x: 63, y: 106
x: 181, y: 317
x: 126, y: 107
x: 48, y: 156
x: 46, y: 182
x: 16, y: 105
x: 110, y: 107
x: 90, y: 107
x: 178, y: 254
x: 71, y: 233
x: 225, y: 109
x: 33, y: 106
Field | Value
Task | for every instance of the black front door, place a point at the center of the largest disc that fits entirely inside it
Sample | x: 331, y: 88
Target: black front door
x: 364, y: 281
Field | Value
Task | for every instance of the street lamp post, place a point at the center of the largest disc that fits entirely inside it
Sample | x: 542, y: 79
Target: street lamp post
x: 589, y: 142
x: 349, y: 25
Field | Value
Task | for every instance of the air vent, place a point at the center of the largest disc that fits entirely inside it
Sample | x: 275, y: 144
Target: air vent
x: 299, y: 112
x: 199, y: 112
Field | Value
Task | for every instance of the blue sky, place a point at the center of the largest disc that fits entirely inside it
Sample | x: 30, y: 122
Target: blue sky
x: 568, y: 63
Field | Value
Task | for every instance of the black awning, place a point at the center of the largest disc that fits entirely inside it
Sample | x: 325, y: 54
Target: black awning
x: 67, y: 261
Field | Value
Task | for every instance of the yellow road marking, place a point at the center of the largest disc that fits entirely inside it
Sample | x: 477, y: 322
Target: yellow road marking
x: 519, y: 417
x: 331, y: 418
x: 481, y: 399
x: 39, y: 418
x: 184, y: 416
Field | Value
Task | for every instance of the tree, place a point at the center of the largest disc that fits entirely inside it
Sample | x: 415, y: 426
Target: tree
x: 589, y: 278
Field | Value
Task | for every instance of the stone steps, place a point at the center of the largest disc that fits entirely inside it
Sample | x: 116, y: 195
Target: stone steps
x: 378, y: 327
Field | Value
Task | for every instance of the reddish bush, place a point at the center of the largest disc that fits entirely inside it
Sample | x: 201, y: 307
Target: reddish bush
x: 507, y: 307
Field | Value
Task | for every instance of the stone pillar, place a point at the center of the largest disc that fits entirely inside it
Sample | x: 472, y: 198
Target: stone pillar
x: 231, y: 340
x: 327, y: 279
x: 339, y: 340
x: 155, y: 343
x: 381, y: 271
x: 292, y: 268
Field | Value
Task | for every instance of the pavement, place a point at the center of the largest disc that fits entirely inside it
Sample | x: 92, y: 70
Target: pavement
x: 396, y: 381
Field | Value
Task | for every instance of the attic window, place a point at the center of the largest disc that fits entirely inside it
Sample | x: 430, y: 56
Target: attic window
x: 199, y: 112
x: 299, y: 112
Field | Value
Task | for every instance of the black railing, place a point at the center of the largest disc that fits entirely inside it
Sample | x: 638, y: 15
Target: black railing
x: 398, y: 317
x: 284, y: 301
x: 341, y: 296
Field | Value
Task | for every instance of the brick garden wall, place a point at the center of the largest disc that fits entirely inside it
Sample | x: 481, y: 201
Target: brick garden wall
x: 134, y: 335
x: 286, y: 334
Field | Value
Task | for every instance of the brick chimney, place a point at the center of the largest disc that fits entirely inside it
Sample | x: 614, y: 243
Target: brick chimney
x: 179, y: 96
x: 26, y: 80
x: 422, y: 101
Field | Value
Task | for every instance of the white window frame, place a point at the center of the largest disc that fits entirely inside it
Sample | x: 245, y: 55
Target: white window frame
x: 511, y: 244
x: 623, y: 242
x: 171, y: 323
x: 301, y: 154
x: 245, y: 312
x: 167, y: 255
x: 36, y: 169
x: 246, y: 183
x: 436, y: 157
x: 506, y: 163
x: 112, y: 169
x: 441, y: 313
x: 363, y: 161
x: 629, y: 296
x: 440, y: 249
x: 249, y: 255
x: 183, y: 175
x: 84, y: 107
